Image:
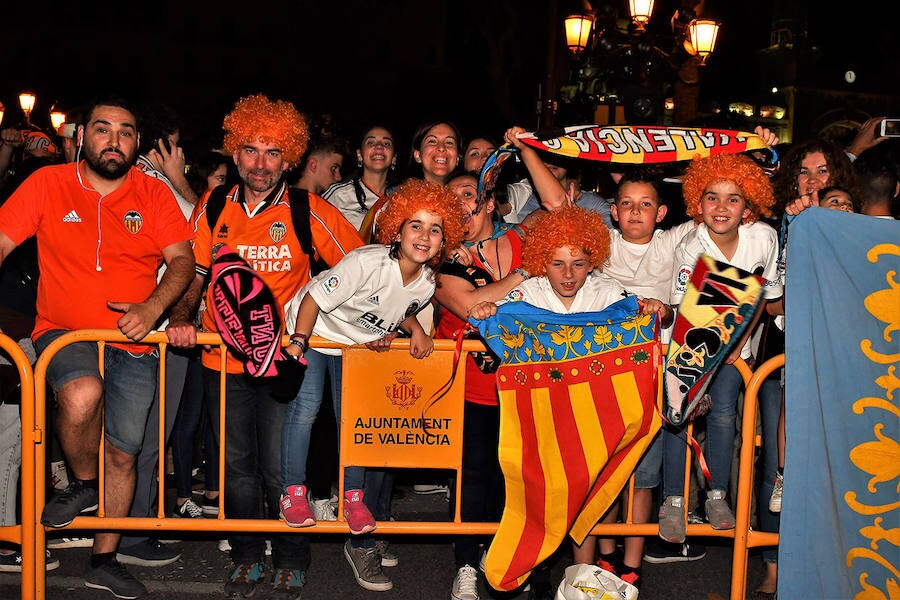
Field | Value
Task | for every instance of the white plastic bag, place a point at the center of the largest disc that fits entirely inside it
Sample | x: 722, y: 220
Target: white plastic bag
x: 590, y: 582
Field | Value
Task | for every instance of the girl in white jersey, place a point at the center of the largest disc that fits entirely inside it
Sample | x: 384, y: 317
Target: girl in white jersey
x: 726, y: 195
x: 368, y: 295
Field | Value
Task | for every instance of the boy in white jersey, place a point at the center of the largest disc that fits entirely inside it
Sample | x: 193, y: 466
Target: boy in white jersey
x: 641, y: 260
x: 368, y: 295
x: 726, y: 194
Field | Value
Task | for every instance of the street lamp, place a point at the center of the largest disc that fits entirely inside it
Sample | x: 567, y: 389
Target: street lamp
x: 57, y: 118
x: 26, y: 102
x: 621, y: 64
x: 640, y: 11
x: 703, y: 34
x: 578, y: 30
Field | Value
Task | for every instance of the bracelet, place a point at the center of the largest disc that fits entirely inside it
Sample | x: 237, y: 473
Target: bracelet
x: 525, y: 274
x: 300, y: 340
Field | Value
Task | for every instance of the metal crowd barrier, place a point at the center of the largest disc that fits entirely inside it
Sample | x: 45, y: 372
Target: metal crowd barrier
x: 403, y: 392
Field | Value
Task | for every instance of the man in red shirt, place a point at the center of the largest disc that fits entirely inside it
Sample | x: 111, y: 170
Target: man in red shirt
x: 103, y: 228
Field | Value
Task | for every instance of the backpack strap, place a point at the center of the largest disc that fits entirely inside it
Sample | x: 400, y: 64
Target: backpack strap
x: 299, y: 201
x: 215, y: 204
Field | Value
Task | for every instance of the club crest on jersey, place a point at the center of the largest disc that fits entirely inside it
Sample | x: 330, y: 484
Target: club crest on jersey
x: 331, y: 284
x: 277, y: 231
x: 684, y: 275
x: 411, y: 309
x: 133, y: 221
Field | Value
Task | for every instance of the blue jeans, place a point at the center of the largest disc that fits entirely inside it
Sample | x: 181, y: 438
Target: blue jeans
x: 185, y: 429
x: 145, y: 486
x: 253, y: 421
x: 769, y: 411
x: 301, y: 414
x: 10, y: 461
x: 720, y: 434
x: 129, y: 385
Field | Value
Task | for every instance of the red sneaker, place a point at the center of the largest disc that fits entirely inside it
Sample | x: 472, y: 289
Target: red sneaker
x: 295, y: 508
x: 358, y: 517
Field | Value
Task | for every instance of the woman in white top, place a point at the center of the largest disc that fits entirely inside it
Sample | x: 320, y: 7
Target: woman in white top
x: 376, y: 157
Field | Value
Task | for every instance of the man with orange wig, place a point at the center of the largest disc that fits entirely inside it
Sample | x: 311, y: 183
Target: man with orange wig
x: 265, y: 138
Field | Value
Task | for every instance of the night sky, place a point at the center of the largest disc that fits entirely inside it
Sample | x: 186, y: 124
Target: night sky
x: 400, y: 62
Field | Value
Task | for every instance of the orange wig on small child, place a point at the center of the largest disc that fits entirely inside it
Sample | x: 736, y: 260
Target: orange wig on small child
x: 570, y: 227
x: 728, y: 167
x: 258, y: 119
x: 415, y: 195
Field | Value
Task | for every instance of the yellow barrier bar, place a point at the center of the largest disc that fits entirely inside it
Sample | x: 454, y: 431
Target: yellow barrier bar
x: 22, y: 533
x: 743, y: 534
x: 34, y: 454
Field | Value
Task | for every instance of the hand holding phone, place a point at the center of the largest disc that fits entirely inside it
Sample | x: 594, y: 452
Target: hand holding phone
x: 889, y: 128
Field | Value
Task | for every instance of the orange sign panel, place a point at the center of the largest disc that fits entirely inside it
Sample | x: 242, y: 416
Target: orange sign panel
x: 385, y: 417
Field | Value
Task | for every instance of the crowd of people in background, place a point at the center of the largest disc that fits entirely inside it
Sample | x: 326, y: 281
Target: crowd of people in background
x: 112, y: 224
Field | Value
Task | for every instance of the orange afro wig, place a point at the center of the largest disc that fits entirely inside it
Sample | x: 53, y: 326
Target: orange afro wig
x: 728, y: 167
x: 258, y: 119
x: 415, y: 195
x: 570, y: 227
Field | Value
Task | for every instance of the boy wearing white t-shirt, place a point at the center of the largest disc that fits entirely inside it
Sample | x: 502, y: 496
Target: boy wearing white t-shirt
x: 641, y: 259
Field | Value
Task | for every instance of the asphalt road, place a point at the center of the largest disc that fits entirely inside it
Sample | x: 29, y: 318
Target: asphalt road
x: 425, y: 572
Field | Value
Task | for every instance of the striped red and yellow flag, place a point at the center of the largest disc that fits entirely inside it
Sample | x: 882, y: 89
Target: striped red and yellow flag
x: 578, y: 406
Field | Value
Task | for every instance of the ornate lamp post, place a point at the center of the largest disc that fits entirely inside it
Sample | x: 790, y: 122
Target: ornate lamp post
x: 620, y: 73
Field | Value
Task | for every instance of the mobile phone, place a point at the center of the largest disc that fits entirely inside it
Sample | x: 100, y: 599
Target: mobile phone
x: 889, y: 128
x: 165, y: 144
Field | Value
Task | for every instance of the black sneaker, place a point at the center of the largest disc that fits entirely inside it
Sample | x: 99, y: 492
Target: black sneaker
x: 12, y: 563
x: 210, y: 506
x: 63, y: 508
x: 287, y: 583
x: 114, y: 578
x: 243, y: 580
x: 663, y: 552
x: 149, y: 553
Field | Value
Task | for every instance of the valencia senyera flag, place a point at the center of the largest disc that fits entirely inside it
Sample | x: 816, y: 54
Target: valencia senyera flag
x: 578, y: 404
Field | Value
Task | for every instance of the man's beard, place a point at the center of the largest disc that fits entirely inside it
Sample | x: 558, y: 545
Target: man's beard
x: 108, y: 168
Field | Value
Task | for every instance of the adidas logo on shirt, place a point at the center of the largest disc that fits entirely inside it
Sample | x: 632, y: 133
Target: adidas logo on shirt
x: 72, y: 217
x: 372, y: 300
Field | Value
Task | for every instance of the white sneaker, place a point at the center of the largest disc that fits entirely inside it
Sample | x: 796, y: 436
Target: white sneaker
x: 59, y: 477
x: 777, y: 493
x: 431, y: 488
x: 224, y: 546
x: 465, y: 584
x: 323, y: 510
x: 70, y: 542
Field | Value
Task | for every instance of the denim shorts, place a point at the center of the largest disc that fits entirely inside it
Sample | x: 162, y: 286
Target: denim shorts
x: 647, y: 473
x: 129, y: 384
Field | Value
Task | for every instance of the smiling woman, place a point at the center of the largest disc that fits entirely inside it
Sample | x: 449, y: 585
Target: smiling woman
x: 435, y: 151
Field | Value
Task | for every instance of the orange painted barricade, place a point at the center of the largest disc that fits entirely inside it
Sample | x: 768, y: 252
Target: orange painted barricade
x: 23, y: 533
x: 390, y: 387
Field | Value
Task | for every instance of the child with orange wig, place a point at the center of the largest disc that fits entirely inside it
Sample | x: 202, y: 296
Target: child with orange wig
x: 726, y: 195
x: 565, y: 251
x: 258, y: 119
x: 364, y: 299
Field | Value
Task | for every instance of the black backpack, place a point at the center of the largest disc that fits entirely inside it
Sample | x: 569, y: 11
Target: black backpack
x: 298, y: 199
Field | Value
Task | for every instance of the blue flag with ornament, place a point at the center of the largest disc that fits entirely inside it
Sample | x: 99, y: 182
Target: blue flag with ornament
x: 840, y: 525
